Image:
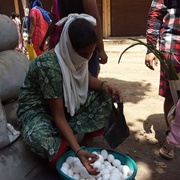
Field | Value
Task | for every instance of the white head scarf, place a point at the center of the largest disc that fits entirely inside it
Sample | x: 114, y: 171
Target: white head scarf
x: 74, y: 67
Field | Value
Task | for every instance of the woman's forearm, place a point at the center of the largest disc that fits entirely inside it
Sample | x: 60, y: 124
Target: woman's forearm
x: 32, y: 27
x: 57, y: 110
x: 95, y: 84
x: 67, y: 133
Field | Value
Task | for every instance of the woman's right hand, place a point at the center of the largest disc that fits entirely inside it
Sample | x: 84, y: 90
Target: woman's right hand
x: 85, y: 157
x: 151, y: 60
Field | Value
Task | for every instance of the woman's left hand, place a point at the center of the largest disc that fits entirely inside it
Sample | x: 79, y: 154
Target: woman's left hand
x: 113, y: 92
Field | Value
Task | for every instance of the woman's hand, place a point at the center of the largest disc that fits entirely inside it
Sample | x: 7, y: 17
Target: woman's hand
x: 29, y: 41
x: 113, y: 92
x: 103, y: 58
x: 151, y: 60
x: 87, y: 159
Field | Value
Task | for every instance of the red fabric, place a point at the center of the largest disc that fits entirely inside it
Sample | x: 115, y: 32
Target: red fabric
x: 96, y: 133
x: 61, y: 150
x: 57, y: 30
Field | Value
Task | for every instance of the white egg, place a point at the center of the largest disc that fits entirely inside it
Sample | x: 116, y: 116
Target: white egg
x: 110, y: 158
x: 76, y: 160
x: 107, y: 163
x: 83, y: 172
x: 117, y: 175
x: 64, y: 169
x: 100, y: 159
x: 65, y: 164
x: 120, y: 168
x: 70, y: 172
x: 110, y: 168
x: 102, y: 167
x: 124, y: 176
x: 77, y: 163
x: 106, y: 176
x: 76, y: 176
x: 82, y: 179
x: 105, y: 171
x: 116, y: 162
x: 113, y: 178
x: 104, y: 154
x: 130, y: 173
x: 97, y: 165
x: 69, y: 160
x: 125, y: 169
x: 115, y: 170
x: 77, y: 168
x: 99, y: 178
x: 94, y: 152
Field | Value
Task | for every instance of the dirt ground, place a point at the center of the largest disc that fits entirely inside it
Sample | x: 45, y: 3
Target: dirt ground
x: 143, y: 108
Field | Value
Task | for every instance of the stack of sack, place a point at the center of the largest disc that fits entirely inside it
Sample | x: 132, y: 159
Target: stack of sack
x: 13, y: 68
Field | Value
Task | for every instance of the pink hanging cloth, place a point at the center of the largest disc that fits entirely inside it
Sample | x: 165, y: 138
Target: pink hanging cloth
x: 174, y: 135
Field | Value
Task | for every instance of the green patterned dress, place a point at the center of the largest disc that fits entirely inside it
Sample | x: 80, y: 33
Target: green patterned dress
x: 44, y: 81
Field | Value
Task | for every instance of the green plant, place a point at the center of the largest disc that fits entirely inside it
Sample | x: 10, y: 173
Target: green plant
x: 166, y: 63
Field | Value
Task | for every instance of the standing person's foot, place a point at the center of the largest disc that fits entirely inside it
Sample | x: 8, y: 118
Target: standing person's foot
x: 167, y: 151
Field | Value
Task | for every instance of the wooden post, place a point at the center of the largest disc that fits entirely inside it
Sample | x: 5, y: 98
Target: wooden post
x: 106, y: 18
x: 16, y: 5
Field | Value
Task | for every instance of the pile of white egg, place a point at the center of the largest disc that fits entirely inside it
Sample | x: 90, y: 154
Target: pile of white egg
x: 109, y: 167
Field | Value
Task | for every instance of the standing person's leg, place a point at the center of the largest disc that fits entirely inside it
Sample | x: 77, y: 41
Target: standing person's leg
x: 167, y: 150
x: 94, y: 67
x: 174, y: 135
x: 168, y: 103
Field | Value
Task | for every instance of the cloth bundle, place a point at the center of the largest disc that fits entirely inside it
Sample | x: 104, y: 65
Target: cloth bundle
x: 7, y: 132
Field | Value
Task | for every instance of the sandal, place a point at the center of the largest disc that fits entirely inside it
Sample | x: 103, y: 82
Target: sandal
x: 167, y: 151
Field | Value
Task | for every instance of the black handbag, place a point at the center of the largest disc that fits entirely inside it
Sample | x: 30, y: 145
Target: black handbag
x: 116, y: 130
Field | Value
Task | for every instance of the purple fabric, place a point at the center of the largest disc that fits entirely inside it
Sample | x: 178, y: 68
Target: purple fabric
x: 174, y: 135
x: 57, y: 31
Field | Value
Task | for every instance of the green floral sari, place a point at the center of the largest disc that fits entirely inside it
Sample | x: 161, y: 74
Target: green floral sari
x: 44, y: 81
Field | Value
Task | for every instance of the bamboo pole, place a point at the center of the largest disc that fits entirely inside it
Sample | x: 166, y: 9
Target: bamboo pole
x: 106, y: 18
x: 16, y: 6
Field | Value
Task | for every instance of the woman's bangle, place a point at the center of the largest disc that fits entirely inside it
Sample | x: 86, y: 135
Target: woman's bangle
x: 100, y: 86
x: 81, y: 148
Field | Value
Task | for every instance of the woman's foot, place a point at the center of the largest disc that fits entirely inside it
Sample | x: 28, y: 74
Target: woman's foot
x: 167, y: 151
